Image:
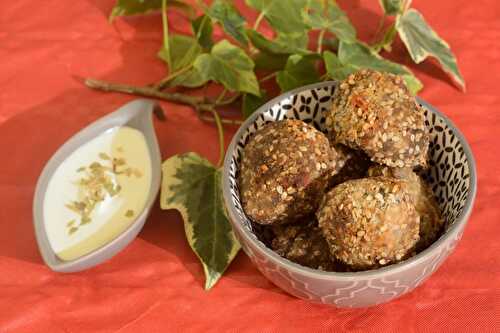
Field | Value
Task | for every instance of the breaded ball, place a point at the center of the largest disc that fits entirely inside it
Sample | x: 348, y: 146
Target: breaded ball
x: 431, y: 222
x: 369, y: 222
x: 303, y: 244
x: 285, y: 168
x: 376, y: 113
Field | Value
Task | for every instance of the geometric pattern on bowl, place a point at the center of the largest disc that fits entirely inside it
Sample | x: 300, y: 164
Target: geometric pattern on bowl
x: 448, y: 176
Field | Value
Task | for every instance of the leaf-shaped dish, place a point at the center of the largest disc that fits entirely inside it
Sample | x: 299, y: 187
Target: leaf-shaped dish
x: 137, y: 115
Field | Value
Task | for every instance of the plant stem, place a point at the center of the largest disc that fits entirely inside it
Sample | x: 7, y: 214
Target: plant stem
x: 165, y: 29
x: 200, y: 104
x: 221, y: 96
x: 194, y: 101
x: 258, y: 20
x: 379, y: 28
x: 267, y: 77
x: 205, y: 89
x: 225, y: 121
x: 164, y: 82
x: 320, y: 41
x: 202, y: 26
x: 220, y: 130
x: 229, y: 100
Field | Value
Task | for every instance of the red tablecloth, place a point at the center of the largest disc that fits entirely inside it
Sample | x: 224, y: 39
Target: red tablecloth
x: 155, y: 284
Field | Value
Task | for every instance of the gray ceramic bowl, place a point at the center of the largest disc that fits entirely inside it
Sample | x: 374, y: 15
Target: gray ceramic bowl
x: 452, y: 176
x: 136, y: 114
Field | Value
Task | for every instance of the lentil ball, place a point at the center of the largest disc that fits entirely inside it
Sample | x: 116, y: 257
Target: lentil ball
x: 369, y: 222
x: 284, y: 170
x: 431, y: 222
x: 375, y: 112
x: 303, y: 244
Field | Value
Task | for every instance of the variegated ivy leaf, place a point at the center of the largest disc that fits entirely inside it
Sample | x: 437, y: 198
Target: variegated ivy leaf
x: 184, y: 50
x: 251, y: 103
x: 391, y: 7
x: 421, y: 42
x: 285, y: 16
x: 283, y: 44
x: 229, y: 65
x: 192, y: 185
x: 386, y: 42
x: 327, y: 15
x: 202, y: 30
x: 134, y: 7
x: 190, y: 79
x: 299, y: 70
x: 232, y: 22
x: 334, y: 68
x: 270, y: 61
x: 359, y: 56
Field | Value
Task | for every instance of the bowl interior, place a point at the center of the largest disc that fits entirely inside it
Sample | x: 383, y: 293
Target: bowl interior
x: 448, y: 174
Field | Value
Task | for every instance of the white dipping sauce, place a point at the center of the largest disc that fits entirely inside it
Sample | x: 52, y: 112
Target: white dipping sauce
x: 114, y: 211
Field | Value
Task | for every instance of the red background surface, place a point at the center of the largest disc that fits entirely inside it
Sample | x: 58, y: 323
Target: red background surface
x: 155, y: 284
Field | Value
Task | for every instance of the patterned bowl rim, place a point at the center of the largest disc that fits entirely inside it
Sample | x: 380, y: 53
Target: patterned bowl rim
x: 248, y: 237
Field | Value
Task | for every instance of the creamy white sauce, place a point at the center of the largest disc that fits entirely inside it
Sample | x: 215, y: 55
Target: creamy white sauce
x: 110, y: 216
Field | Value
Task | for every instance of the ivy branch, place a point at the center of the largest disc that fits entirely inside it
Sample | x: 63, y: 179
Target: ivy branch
x: 196, y: 61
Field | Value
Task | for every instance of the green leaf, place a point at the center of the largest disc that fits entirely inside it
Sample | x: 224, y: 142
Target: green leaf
x: 331, y: 43
x: 283, y: 44
x: 229, y: 65
x: 412, y: 83
x: 360, y: 56
x: 190, y: 79
x: 297, y: 41
x: 134, y: 7
x: 283, y: 16
x: 270, y: 62
x: 386, y: 42
x: 251, y: 103
x: 421, y: 42
x: 299, y: 70
x: 232, y: 22
x: 166, y: 34
x: 334, y: 68
x: 183, y: 51
x: 202, y: 29
x: 326, y: 15
x: 192, y: 186
x: 391, y: 7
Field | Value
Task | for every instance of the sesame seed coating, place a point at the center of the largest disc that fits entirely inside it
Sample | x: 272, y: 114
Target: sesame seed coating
x: 284, y: 170
x: 375, y: 112
x: 431, y: 222
x: 369, y: 222
x: 303, y: 244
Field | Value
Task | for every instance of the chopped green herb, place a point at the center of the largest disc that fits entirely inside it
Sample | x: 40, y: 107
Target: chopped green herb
x: 104, y: 156
x: 97, y: 183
